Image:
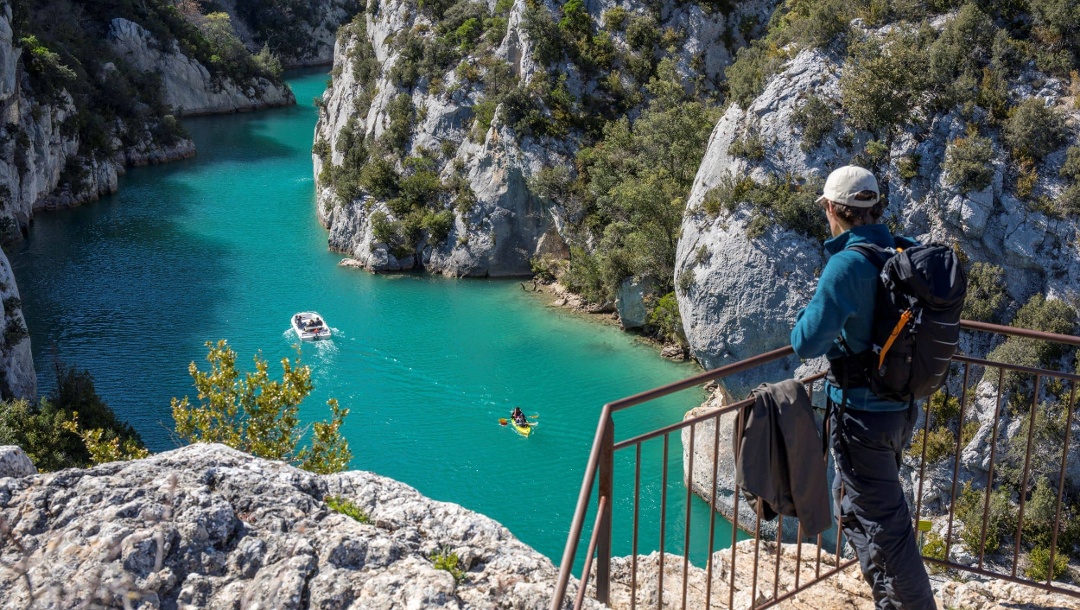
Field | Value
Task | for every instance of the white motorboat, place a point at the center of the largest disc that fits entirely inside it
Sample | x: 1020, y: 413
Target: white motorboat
x: 310, y: 326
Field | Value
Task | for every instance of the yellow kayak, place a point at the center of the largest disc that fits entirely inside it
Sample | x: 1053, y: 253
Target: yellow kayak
x: 525, y: 430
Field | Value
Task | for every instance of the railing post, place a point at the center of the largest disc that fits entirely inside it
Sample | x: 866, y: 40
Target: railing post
x: 607, y: 489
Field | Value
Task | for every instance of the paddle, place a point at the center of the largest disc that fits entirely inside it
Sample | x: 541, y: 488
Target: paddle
x: 502, y: 421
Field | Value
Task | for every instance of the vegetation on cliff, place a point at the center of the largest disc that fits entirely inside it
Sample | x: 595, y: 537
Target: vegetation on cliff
x: 974, y: 63
x: 66, y: 56
x: 52, y: 431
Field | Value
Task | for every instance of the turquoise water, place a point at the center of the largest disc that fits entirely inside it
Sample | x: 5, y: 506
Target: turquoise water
x: 226, y: 246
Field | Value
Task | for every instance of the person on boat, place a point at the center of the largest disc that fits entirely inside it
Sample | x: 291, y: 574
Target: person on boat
x: 519, y: 417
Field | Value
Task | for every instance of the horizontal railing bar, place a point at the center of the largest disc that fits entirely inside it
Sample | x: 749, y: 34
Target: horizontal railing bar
x: 1017, y: 368
x: 1019, y: 332
x: 683, y: 424
x: 1020, y: 581
x: 700, y: 418
x: 700, y: 378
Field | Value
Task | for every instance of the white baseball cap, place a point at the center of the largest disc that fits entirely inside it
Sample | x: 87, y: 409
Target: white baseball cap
x: 851, y: 185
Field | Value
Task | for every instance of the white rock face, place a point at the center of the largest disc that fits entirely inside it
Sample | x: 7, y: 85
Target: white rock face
x: 209, y: 527
x: 9, y: 56
x: 630, y: 302
x: 188, y: 86
x: 17, y: 376
x: 501, y: 233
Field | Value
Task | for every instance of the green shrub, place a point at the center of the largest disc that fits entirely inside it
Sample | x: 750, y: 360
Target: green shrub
x: 880, y: 79
x: 268, y: 62
x: 420, y: 189
x: 728, y: 194
x: 968, y: 163
x: 347, y: 507
x: 1040, y: 514
x: 438, y: 225
x: 1039, y: 313
x: 445, y: 559
x: 1039, y: 565
x: 934, y: 547
x: 820, y: 23
x: 665, y: 317
x: 544, y: 32
x: 986, y: 297
x: 1069, y: 202
x: 398, y: 133
x: 384, y: 229
x: 48, y: 73
x: 958, y: 55
x: 940, y: 444
x: 817, y: 120
x: 258, y: 415
x: 1001, y: 520
x: 908, y: 166
x: 784, y: 202
x: 1071, y: 168
x: 380, y: 179
x: 750, y: 147
x: 642, y: 34
x: 1056, y: 27
x: 1034, y: 130
x: 44, y: 430
x: 615, y: 18
x: 747, y: 75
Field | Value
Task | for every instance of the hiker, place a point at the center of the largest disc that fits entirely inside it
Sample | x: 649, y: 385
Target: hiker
x: 868, y: 433
x: 519, y: 417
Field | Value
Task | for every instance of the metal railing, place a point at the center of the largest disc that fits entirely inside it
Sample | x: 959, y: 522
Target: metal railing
x: 1009, y: 388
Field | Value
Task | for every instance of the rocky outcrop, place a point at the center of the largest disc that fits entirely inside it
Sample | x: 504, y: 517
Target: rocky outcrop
x: 206, y: 526
x: 498, y: 226
x: 187, y: 85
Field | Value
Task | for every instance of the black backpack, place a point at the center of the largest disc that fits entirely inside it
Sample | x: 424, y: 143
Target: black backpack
x: 916, y: 320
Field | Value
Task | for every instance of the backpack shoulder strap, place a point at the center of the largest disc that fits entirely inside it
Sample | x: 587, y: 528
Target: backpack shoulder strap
x: 873, y: 253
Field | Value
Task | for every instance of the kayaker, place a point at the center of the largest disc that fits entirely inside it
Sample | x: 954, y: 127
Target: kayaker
x: 519, y: 417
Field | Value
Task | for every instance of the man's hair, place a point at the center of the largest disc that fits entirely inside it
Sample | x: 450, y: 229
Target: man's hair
x: 860, y: 216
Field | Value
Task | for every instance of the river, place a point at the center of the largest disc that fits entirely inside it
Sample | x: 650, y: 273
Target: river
x: 227, y: 246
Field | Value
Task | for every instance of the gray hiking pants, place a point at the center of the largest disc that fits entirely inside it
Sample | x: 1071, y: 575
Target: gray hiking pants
x: 874, y: 514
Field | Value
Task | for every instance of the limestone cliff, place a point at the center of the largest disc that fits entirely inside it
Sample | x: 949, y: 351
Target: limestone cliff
x: 436, y: 126
x: 206, y: 526
x: 188, y: 86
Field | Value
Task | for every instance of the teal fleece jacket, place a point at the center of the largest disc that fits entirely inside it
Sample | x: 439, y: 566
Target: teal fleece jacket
x: 843, y: 306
